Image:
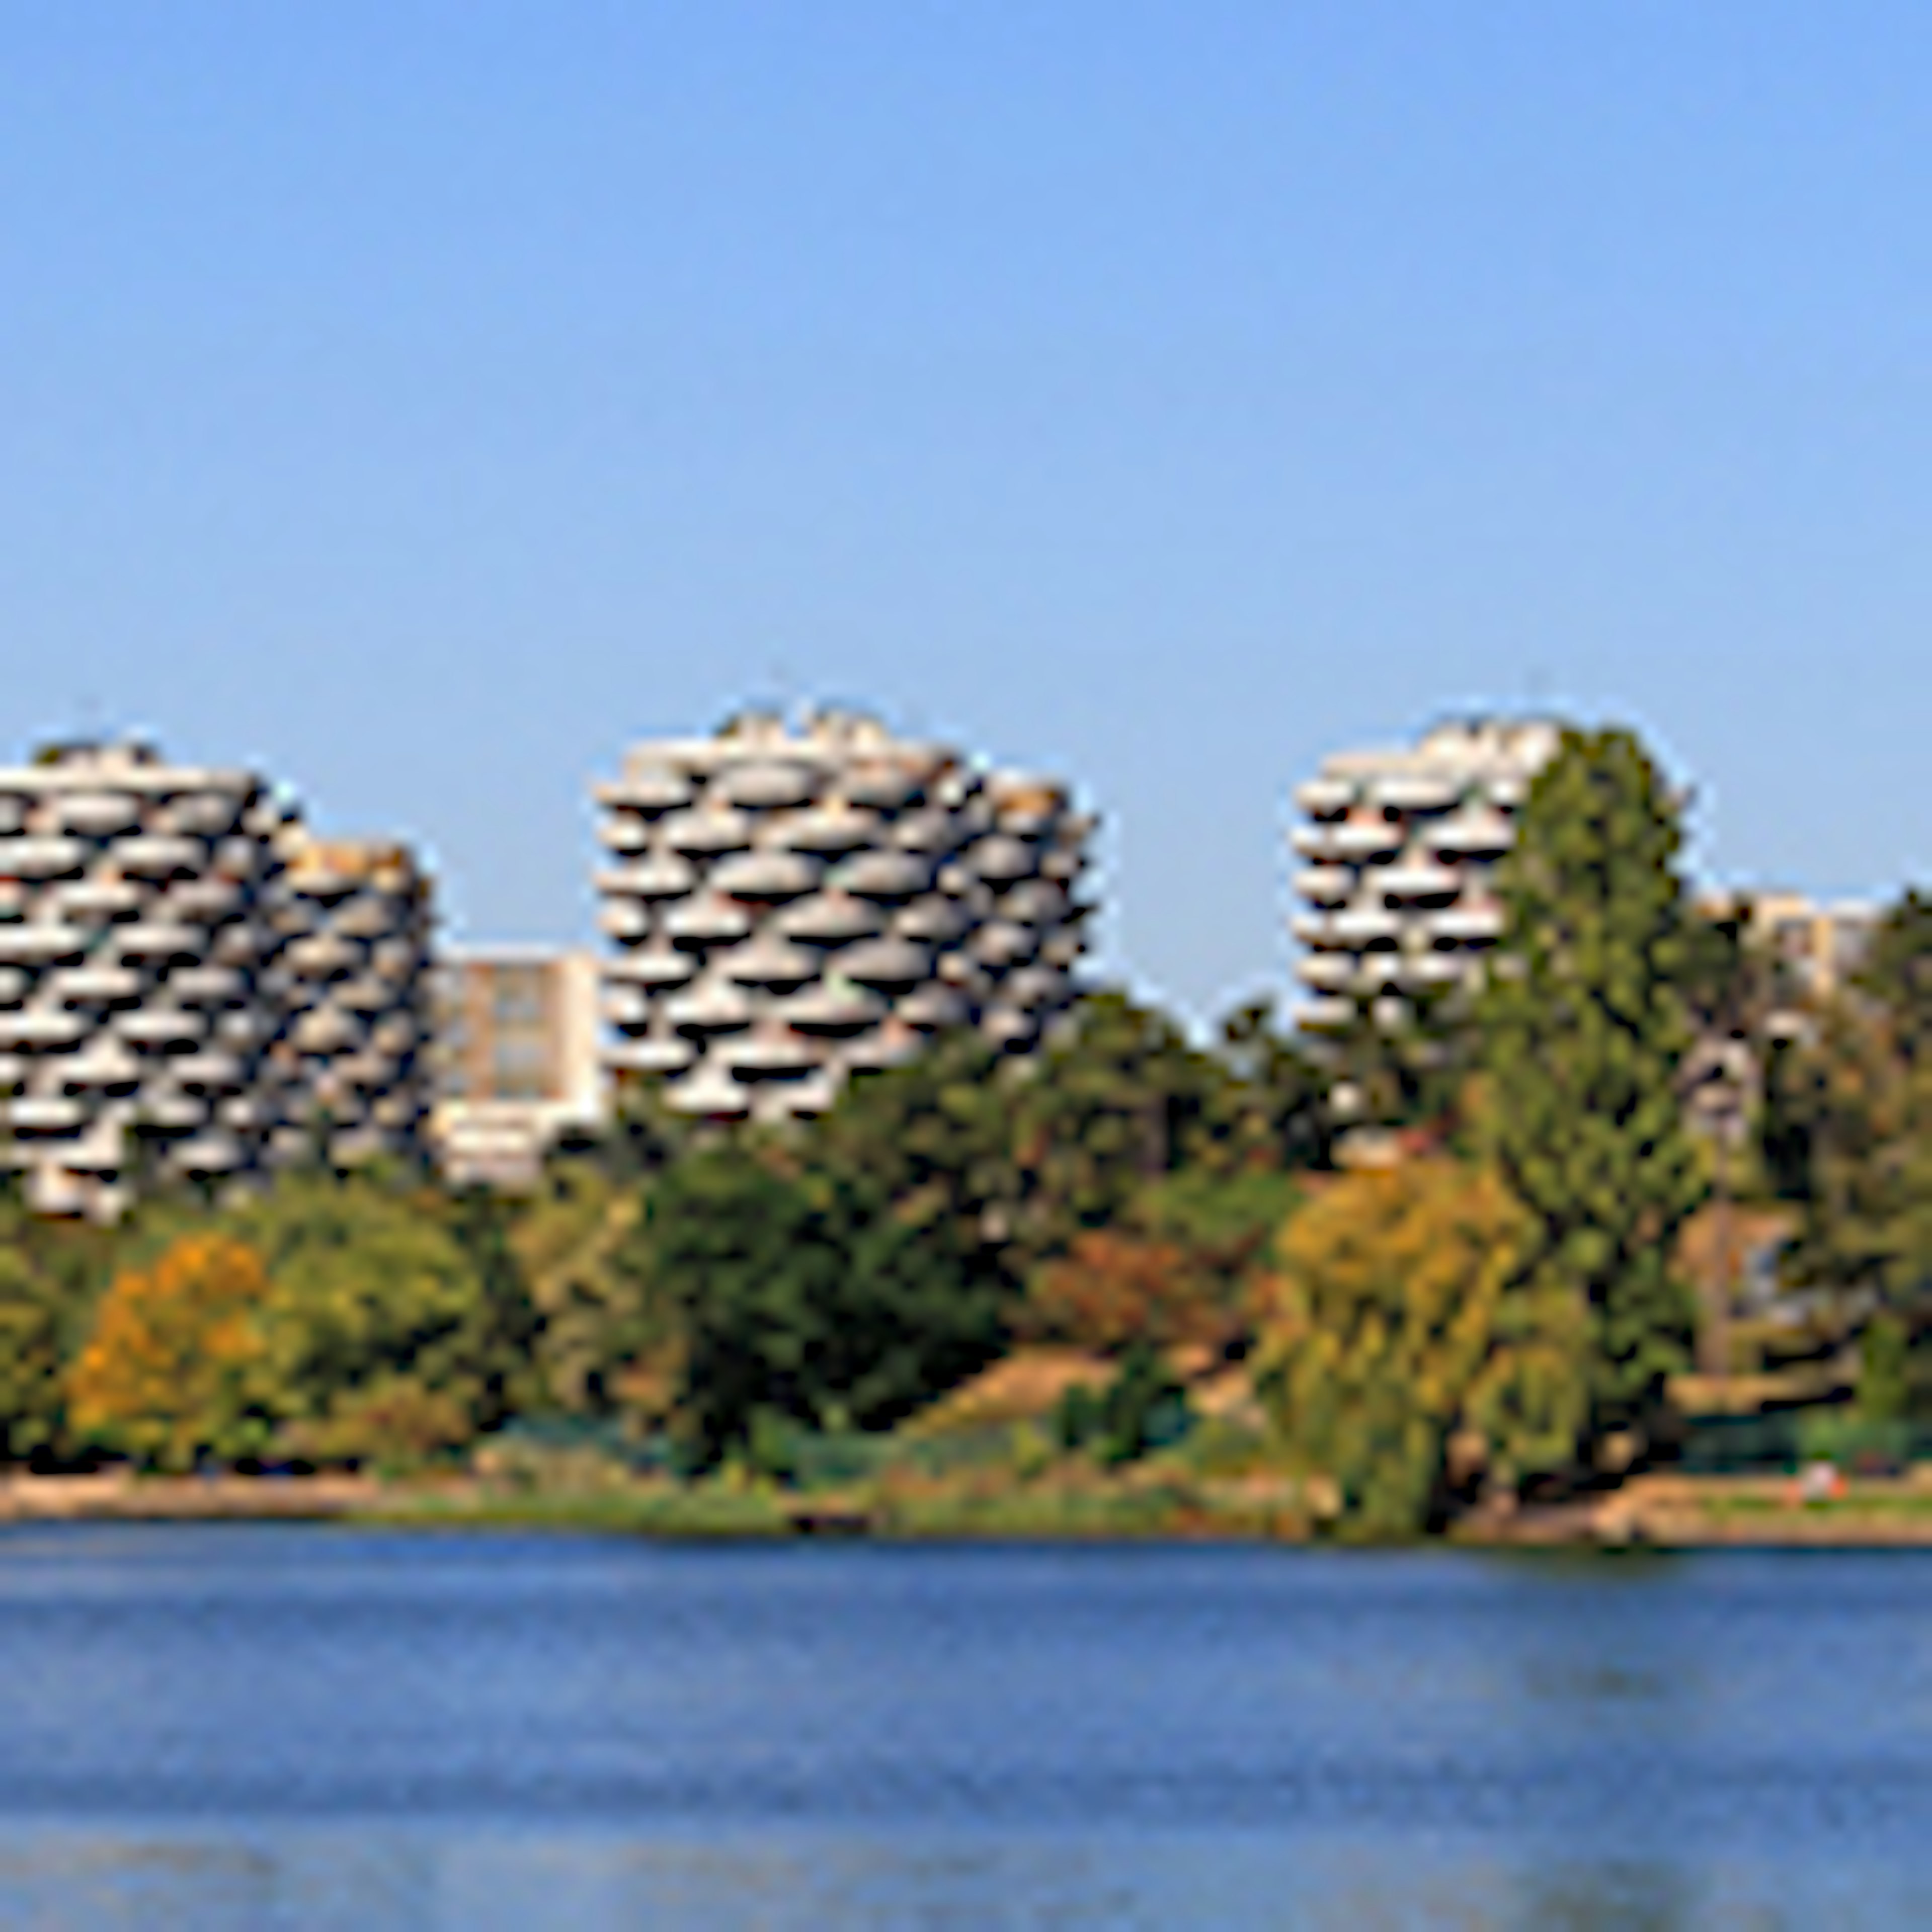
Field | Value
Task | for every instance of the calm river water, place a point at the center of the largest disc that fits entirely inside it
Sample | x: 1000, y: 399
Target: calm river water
x: 264, y: 1726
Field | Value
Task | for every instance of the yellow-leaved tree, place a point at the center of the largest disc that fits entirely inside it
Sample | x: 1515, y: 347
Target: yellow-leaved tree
x: 1397, y: 1337
x: 169, y: 1374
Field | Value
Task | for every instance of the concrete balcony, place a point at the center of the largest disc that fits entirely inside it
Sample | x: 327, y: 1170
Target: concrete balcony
x: 1321, y: 797
x: 829, y: 918
x: 837, y: 1012
x: 1362, y: 838
x: 327, y: 1030
x: 624, y: 919
x: 1009, y: 1029
x: 706, y: 832
x: 885, y: 787
x: 766, y: 784
x: 44, y: 1113
x: 200, y: 901
x: 1417, y: 791
x: 829, y: 832
x: 40, y: 945
x: 933, y: 1008
x: 98, y: 986
x: 216, y: 1152
x: 207, y: 1071
x: 1316, y: 928
x: 708, y: 1091
x: 936, y: 922
x: 104, y: 1063
x: 650, y: 790
x: 626, y: 1006
x: 765, y: 877
x: 769, y: 1056
x: 160, y: 855
x: 208, y: 814
x: 1414, y: 879
x: 1033, y: 902
x: 931, y: 831
x: 650, y: 1056
x: 702, y: 923
x: 323, y: 956
x: 1358, y: 925
x: 651, y: 969
x: 884, y: 875
x: 710, y: 1009
x: 1002, y: 942
x: 626, y: 833
x: 894, y: 964
x: 1476, y: 832
x: 1324, y: 885
x: 43, y: 857
x: 1481, y: 923
x: 206, y: 985
x: 1032, y: 987
x: 158, y: 1027
x: 157, y: 941
x: 1001, y: 860
x: 1328, y: 972
x: 1319, y: 842
x: 42, y: 1030
x: 85, y: 899
x: 663, y: 877
x: 1428, y: 972
x: 768, y: 961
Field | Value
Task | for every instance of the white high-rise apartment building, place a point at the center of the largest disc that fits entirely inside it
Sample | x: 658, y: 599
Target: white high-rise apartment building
x: 788, y: 907
x: 351, y: 981
x: 149, y: 992
x: 1398, y: 851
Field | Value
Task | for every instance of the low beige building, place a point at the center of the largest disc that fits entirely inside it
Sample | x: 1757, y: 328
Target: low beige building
x: 516, y: 1057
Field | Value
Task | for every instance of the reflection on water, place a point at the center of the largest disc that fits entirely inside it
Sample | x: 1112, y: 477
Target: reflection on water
x: 262, y: 1727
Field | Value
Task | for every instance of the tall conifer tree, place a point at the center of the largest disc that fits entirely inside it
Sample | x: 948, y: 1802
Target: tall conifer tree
x: 1584, y: 1031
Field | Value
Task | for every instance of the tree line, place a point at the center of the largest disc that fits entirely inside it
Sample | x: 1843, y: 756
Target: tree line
x: 1501, y: 1308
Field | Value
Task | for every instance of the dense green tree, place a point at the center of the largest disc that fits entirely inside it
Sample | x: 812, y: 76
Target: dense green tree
x: 1280, y: 1096
x: 1849, y: 1112
x: 1118, y: 1100
x: 936, y: 1137
x: 1896, y: 977
x: 1584, y: 1030
x: 609, y: 1344
x: 51, y: 1273
x: 373, y: 1289
x: 808, y: 1299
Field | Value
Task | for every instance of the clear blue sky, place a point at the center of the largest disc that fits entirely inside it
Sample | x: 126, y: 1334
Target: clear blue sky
x: 424, y: 400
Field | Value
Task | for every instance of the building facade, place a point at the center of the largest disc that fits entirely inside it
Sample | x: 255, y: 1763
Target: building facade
x: 148, y: 985
x: 786, y: 907
x: 518, y: 1062
x: 1397, y: 854
x: 351, y: 981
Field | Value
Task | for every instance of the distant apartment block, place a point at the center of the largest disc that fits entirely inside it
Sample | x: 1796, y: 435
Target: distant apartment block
x: 786, y: 907
x: 352, y: 978
x: 1819, y: 945
x: 517, y: 1057
x: 1398, y: 853
x: 150, y: 984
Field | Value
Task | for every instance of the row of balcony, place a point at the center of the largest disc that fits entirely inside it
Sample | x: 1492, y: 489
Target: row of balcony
x: 1476, y: 832
x: 1471, y: 924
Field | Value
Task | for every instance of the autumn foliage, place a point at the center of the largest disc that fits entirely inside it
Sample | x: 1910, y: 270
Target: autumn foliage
x: 1112, y: 1288
x: 1399, y: 1337
x: 167, y: 1376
